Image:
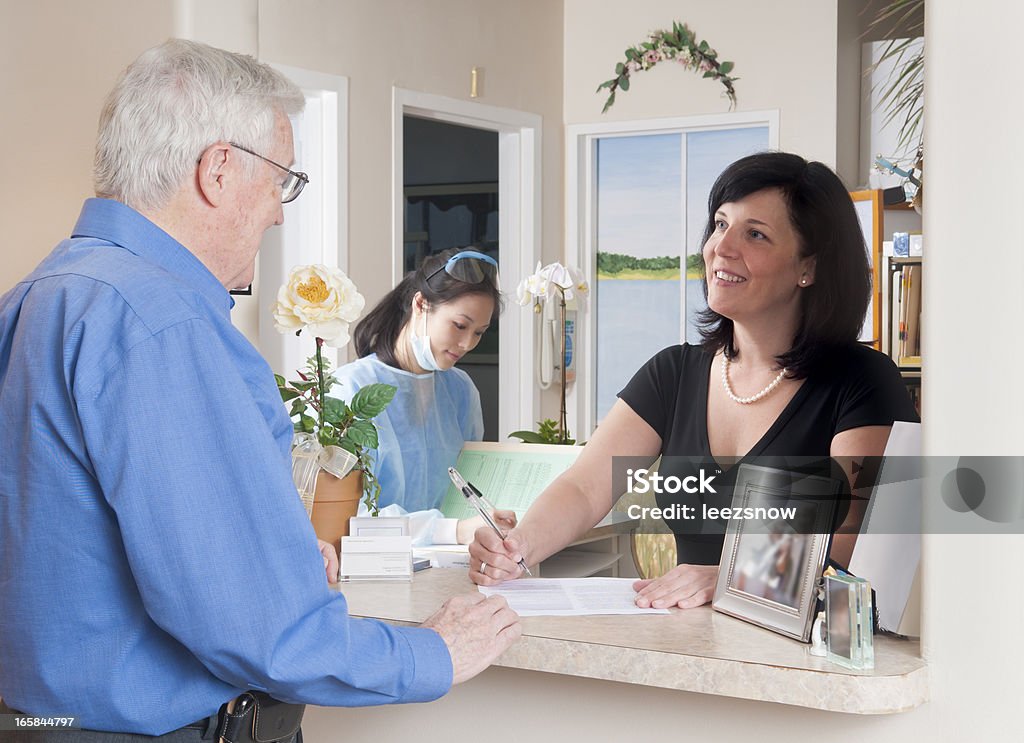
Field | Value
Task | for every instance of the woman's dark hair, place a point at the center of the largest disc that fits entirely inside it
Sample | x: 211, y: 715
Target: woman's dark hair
x: 378, y: 332
x: 820, y: 209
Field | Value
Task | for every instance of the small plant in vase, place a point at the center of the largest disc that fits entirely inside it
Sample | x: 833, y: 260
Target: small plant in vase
x: 330, y: 435
x: 553, y: 282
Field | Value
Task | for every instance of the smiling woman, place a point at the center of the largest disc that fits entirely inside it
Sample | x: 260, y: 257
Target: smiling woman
x: 412, y: 339
x: 779, y: 375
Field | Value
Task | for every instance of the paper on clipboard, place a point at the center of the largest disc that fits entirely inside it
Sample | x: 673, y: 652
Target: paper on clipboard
x: 510, y: 476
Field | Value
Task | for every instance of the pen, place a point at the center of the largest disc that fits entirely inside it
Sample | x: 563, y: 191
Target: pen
x: 477, y: 500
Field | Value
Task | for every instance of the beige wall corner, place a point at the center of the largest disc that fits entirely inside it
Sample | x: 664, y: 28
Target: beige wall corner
x: 59, y: 61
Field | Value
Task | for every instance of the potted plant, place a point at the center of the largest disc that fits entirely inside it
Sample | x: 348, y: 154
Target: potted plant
x: 332, y: 438
x: 544, y: 285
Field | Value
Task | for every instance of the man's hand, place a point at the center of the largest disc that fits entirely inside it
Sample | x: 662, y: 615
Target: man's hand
x: 330, y: 556
x: 476, y: 630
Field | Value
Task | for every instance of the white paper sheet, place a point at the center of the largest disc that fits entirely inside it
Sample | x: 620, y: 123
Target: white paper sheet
x: 887, y: 555
x: 569, y: 597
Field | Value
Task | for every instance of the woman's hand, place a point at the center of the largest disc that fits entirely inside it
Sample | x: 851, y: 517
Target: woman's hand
x: 330, y: 556
x: 466, y: 528
x: 685, y: 586
x: 493, y: 560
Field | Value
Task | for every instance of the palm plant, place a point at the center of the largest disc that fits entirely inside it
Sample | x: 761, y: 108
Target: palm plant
x: 902, y: 92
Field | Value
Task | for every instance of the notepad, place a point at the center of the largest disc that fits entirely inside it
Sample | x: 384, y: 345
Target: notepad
x: 511, y: 476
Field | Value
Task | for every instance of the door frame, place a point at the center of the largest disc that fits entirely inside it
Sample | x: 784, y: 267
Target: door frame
x: 315, y: 229
x: 519, y: 228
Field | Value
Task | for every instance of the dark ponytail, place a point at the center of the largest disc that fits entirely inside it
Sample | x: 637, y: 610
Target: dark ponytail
x: 378, y: 332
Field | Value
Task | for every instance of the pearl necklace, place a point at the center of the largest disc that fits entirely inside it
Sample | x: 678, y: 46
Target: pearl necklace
x: 753, y: 398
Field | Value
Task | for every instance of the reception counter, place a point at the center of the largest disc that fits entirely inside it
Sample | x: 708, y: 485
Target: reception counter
x: 697, y: 650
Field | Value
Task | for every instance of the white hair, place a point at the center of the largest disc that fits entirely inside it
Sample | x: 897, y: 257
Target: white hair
x: 172, y: 103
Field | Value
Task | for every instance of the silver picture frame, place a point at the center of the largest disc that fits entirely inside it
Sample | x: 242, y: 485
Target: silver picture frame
x: 771, y: 564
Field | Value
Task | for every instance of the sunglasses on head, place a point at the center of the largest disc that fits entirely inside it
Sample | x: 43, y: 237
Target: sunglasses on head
x: 470, y: 267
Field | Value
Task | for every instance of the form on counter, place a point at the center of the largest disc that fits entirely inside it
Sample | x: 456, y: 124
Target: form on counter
x: 569, y: 597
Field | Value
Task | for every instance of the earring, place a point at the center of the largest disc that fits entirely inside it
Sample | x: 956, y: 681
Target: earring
x: 803, y: 282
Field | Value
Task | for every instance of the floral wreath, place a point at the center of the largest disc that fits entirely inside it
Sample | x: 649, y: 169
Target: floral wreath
x: 680, y: 44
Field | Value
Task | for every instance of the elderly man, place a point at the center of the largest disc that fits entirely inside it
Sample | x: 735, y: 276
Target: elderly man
x: 156, y: 559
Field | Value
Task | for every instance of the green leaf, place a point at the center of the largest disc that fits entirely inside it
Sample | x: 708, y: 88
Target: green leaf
x: 709, y: 73
x: 298, y: 407
x: 529, y: 437
x: 605, y: 84
x: 335, y: 411
x: 362, y: 433
x: 308, y: 424
x: 280, y: 380
x: 287, y: 394
x: 624, y: 82
x: 632, y: 55
x: 725, y: 68
x: 647, y: 45
x: 304, y: 386
x: 619, y: 68
x: 703, y: 47
x: 371, y: 400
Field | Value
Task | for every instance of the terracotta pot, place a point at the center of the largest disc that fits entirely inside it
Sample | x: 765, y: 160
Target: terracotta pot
x: 335, y: 502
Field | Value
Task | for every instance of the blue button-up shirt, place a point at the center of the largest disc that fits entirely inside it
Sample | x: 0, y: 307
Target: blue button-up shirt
x: 155, y: 558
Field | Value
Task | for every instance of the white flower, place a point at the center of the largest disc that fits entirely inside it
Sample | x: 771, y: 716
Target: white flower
x: 321, y: 300
x: 545, y: 282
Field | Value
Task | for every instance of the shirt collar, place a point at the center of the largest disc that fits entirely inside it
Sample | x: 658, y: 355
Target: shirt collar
x: 117, y: 223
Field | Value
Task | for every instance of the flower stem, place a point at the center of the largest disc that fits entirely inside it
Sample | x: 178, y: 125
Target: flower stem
x: 320, y: 385
x: 563, y: 433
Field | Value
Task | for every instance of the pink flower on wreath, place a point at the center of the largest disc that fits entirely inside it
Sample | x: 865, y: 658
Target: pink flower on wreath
x: 632, y: 66
x: 651, y: 58
x: 706, y: 66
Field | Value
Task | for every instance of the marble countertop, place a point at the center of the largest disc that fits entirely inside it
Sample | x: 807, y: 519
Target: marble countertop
x: 697, y: 650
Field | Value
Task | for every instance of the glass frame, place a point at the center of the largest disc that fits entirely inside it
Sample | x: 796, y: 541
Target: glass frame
x: 294, y: 176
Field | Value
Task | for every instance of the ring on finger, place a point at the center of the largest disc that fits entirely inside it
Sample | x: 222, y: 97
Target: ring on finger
x: 483, y: 568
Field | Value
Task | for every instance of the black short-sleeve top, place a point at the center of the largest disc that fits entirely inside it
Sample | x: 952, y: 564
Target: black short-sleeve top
x: 857, y: 387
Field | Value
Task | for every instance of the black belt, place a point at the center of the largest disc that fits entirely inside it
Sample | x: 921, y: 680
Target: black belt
x: 256, y: 718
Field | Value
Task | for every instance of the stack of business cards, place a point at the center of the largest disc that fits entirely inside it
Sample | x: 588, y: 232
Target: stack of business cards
x: 376, y: 558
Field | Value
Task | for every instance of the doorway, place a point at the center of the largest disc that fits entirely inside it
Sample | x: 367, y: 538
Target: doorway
x: 450, y: 183
x: 509, y: 397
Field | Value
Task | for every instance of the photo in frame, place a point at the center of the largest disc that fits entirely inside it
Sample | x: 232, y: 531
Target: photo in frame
x: 771, y: 564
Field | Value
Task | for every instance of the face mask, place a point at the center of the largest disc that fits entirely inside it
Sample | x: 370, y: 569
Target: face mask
x: 421, y: 348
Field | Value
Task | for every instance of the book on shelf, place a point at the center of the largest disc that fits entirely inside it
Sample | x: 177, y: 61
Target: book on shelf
x: 905, y: 309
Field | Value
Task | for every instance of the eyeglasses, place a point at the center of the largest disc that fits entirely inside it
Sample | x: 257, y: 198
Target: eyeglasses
x: 470, y: 267
x: 292, y: 186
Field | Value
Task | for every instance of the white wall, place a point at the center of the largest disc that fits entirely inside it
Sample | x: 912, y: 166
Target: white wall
x: 785, y: 56
x: 58, y: 60
x: 973, y: 401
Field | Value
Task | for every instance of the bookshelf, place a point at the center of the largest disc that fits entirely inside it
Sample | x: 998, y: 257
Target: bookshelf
x: 897, y: 323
